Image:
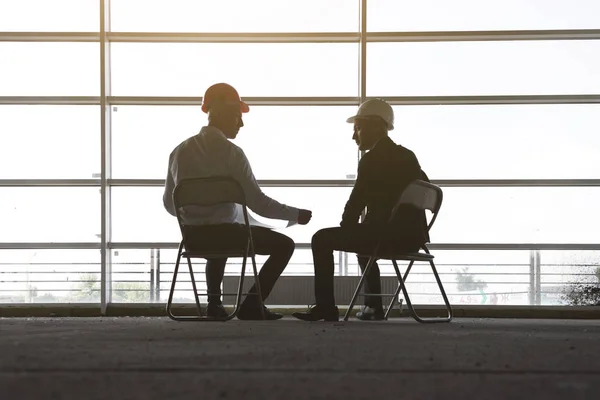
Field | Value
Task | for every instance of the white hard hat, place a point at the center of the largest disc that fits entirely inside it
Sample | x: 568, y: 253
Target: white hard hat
x: 375, y: 108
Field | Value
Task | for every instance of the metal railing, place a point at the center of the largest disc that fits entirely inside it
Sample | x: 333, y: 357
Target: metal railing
x: 147, y: 280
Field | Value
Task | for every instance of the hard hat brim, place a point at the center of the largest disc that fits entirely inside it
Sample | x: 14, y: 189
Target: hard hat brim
x: 244, y: 108
x: 353, y: 119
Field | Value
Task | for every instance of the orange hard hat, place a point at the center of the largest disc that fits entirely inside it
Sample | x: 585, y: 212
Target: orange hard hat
x: 225, y: 93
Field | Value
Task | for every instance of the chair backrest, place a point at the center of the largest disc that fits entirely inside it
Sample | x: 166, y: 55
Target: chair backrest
x: 423, y: 196
x: 208, y: 191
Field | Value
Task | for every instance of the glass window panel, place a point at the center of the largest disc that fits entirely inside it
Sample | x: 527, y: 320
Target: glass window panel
x: 280, y: 142
x: 49, y: 16
x: 518, y: 215
x: 255, y: 69
x: 234, y: 16
x: 468, y: 215
x: 134, y: 278
x: 139, y: 216
x: 49, y: 69
x: 570, y: 266
x: 502, y: 141
x: 564, y: 275
x: 49, y: 276
x: 49, y: 142
x: 483, y: 68
x: 326, y: 204
x: 50, y: 214
x: 465, y: 15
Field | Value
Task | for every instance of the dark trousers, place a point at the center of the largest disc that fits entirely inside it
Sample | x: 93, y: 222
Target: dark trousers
x: 277, y: 246
x: 360, y: 239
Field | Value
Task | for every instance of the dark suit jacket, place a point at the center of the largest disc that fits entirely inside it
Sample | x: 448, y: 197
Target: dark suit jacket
x: 384, y: 173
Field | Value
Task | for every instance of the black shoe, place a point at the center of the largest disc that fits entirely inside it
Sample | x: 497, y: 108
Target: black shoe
x: 371, y: 314
x: 253, y: 314
x: 317, y: 313
x: 214, y: 310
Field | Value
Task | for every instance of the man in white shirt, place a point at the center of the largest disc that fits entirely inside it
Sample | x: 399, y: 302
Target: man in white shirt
x: 210, y: 153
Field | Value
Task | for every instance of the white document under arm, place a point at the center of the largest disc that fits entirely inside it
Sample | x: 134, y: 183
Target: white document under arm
x: 255, y: 222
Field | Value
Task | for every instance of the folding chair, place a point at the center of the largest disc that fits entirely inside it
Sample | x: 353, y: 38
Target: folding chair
x: 208, y: 192
x: 424, y: 196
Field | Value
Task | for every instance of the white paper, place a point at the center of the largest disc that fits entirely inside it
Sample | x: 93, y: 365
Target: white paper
x: 254, y: 222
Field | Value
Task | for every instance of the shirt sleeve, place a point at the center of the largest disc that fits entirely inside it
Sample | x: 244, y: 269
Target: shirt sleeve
x: 169, y: 187
x: 358, y: 198
x: 256, y: 200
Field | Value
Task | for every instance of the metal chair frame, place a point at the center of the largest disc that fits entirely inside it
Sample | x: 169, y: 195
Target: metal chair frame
x: 424, y: 196
x: 189, y: 192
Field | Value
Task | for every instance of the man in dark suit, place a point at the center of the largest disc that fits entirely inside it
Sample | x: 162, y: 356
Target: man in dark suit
x: 383, y: 173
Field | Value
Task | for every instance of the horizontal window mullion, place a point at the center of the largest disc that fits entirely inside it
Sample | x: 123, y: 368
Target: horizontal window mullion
x: 308, y: 182
x: 494, y: 100
x: 303, y: 37
x: 350, y: 182
x: 49, y: 245
x: 49, y: 36
x: 308, y: 101
x: 49, y: 182
x: 49, y: 100
x: 175, y: 245
x: 453, y: 36
x: 275, y: 37
x: 253, y: 101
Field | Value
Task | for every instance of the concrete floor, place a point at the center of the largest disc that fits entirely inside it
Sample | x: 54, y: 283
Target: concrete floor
x: 155, y: 358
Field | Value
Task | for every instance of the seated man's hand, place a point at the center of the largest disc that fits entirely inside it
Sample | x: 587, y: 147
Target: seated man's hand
x: 304, y: 216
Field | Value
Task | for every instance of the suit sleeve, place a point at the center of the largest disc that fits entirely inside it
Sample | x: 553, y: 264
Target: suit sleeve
x: 422, y: 175
x: 358, y: 198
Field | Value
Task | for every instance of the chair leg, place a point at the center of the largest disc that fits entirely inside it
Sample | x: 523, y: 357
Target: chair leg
x: 397, y: 293
x: 173, y: 281
x: 172, y: 292
x: 448, y: 318
x: 238, y: 299
x: 236, y: 307
x: 198, y: 307
x: 241, y: 286
x: 257, y: 286
x: 359, y: 287
x: 444, y: 296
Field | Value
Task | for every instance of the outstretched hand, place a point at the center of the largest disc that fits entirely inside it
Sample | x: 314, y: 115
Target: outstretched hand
x: 304, y: 216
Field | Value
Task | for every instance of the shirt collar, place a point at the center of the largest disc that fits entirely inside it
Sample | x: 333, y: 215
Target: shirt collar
x: 379, y: 141
x: 212, y: 130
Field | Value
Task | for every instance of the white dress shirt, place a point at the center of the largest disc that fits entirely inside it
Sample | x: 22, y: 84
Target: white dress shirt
x: 209, y: 153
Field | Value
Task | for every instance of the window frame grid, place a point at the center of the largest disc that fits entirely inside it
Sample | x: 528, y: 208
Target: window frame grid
x: 105, y: 37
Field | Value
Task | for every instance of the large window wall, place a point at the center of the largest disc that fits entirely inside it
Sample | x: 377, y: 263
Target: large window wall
x: 498, y: 100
